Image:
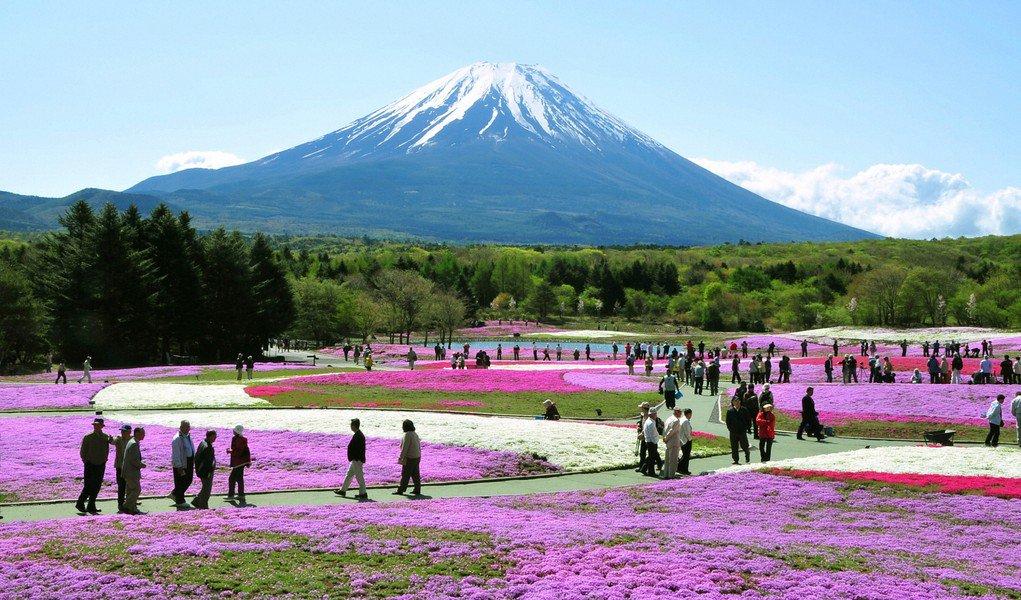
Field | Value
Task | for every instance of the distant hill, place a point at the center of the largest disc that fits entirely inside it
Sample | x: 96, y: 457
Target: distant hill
x: 490, y: 153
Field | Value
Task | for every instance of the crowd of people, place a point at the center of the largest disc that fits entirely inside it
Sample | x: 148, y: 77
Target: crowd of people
x: 189, y: 461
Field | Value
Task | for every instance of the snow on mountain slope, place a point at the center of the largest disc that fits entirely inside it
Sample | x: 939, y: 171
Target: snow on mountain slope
x: 504, y: 100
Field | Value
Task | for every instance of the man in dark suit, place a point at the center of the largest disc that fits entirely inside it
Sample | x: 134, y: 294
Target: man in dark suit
x: 809, y: 418
x: 95, y: 450
x: 737, y: 425
x: 356, y: 456
x: 205, y: 467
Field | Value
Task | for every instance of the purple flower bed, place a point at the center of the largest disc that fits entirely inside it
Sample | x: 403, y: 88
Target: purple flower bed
x: 610, y: 381
x: 777, y: 537
x: 450, y: 380
x: 41, y: 396
x: 282, y: 459
x: 836, y: 403
x: 158, y: 372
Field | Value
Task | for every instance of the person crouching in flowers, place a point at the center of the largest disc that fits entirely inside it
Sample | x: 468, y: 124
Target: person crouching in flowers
x: 410, y: 460
x: 551, y: 414
x: 205, y: 467
x: 240, y: 458
x: 766, y: 424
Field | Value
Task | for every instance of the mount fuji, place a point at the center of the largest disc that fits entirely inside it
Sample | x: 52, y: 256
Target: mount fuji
x: 489, y: 153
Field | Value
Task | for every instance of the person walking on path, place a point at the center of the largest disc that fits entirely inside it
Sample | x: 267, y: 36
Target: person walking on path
x: 737, y: 427
x: 685, y: 436
x: 61, y: 373
x: 131, y: 469
x: 86, y: 370
x: 712, y: 376
x: 182, y: 456
x: 1015, y: 409
x: 119, y: 444
x: 699, y: 373
x: 249, y: 366
x: 412, y: 357
x: 751, y: 403
x: 995, y: 417
x: 356, y: 458
x: 205, y: 467
x: 668, y: 385
x: 735, y: 369
x: 809, y: 418
x: 95, y: 450
x: 650, y: 436
x: 239, y: 364
x: 410, y: 459
x: 766, y: 425
x: 672, y: 440
x: 240, y: 458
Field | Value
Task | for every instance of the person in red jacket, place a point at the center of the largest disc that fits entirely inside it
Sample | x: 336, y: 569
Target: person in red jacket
x: 766, y: 422
x: 240, y: 458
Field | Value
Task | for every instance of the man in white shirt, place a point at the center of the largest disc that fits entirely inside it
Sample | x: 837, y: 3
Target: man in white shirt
x: 650, y: 436
x: 183, y: 457
x: 685, y: 437
x: 1015, y: 409
x: 672, y: 439
x: 995, y: 417
x: 986, y: 367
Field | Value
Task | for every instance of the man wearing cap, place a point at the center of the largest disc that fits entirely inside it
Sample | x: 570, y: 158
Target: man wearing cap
x: 672, y: 439
x: 95, y: 449
x: 205, y: 467
x: 119, y: 443
x: 131, y: 469
x: 183, y: 457
x: 650, y: 433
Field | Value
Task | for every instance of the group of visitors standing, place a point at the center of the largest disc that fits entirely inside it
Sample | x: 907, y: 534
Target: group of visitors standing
x: 676, y: 434
x: 994, y: 416
x: 187, y: 461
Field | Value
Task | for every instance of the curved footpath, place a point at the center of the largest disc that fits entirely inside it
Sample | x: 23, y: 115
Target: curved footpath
x: 786, y: 446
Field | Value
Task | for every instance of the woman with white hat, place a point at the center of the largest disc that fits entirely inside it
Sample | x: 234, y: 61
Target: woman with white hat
x: 240, y: 457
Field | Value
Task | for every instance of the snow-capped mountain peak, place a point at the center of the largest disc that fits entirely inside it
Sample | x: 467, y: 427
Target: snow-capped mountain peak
x: 482, y: 101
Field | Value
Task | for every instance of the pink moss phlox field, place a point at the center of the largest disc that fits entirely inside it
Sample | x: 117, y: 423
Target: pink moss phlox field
x: 836, y: 403
x: 158, y: 372
x: 610, y: 381
x: 282, y: 459
x: 1001, y: 487
x: 42, y: 396
x: 449, y: 380
x: 777, y: 537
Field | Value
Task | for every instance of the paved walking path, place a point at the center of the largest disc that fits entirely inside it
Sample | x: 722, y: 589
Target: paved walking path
x: 786, y: 446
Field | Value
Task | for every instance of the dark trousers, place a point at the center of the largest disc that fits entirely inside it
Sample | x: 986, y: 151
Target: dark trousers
x: 992, y: 438
x: 765, y: 449
x: 714, y: 386
x: 809, y: 425
x: 183, y: 480
x: 735, y: 377
x: 652, y: 458
x: 785, y: 377
x: 682, y: 466
x: 409, y: 471
x: 739, y: 438
x: 698, y: 385
x: 201, y: 500
x: 93, y: 480
x: 61, y: 375
x: 236, y: 480
x: 121, y: 485
x: 670, y: 398
x: 829, y: 376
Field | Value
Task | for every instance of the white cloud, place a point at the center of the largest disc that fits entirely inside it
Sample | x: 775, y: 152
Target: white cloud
x: 202, y: 159
x: 894, y: 200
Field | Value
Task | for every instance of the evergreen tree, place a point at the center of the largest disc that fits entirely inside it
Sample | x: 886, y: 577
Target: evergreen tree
x: 273, y: 298
x: 228, y: 297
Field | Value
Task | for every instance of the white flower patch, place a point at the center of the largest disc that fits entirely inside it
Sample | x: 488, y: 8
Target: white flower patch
x: 923, y: 460
x: 584, y: 333
x: 173, y: 395
x: 573, y: 446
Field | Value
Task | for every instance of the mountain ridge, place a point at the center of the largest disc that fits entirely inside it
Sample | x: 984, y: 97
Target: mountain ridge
x: 489, y: 153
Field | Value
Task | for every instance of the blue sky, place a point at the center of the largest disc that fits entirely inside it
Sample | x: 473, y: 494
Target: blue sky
x: 95, y: 96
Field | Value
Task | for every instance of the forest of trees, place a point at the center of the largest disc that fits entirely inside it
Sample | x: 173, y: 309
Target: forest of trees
x: 129, y: 289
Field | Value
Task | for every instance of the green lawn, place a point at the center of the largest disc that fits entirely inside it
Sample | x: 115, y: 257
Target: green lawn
x: 582, y: 405
x: 898, y: 430
x: 221, y: 376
